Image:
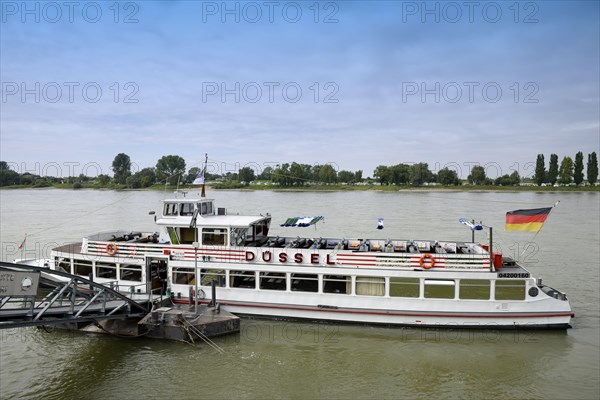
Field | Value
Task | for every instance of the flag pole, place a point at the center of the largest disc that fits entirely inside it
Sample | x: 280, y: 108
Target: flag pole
x: 22, y: 246
x: 203, y: 191
x: 534, y: 236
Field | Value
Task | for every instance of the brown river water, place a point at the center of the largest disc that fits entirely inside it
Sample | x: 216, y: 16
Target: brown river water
x: 280, y: 359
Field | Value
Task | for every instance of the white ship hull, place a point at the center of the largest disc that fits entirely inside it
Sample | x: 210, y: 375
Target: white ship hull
x: 391, y: 282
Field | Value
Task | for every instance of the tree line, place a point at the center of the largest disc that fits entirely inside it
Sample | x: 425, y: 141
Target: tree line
x: 569, y: 171
x: 171, y: 170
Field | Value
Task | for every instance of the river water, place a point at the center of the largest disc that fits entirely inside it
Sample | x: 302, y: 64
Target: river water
x: 278, y: 359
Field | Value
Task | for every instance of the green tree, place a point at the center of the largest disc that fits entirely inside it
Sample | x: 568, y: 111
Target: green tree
x: 565, y: 172
x: 477, y: 175
x: 578, y: 173
x: 419, y: 174
x: 169, y: 169
x: 134, y: 181
x: 299, y: 174
x: 246, y: 175
x: 103, y: 180
x: 508, y: 180
x: 191, y: 175
x: 327, y: 174
x: 147, y: 177
x: 266, y: 174
x: 592, y: 168
x: 121, y: 167
x: 8, y: 177
x: 400, y: 174
x: 540, y: 170
x: 345, y: 176
x: 553, y: 169
x: 447, y: 176
x: 515, y: 178
x: 358, y: 175
x: 281, y: 175
x: 383, y: 174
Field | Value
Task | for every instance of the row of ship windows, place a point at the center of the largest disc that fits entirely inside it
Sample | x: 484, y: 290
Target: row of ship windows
x: 126, y: 272
x: 475, y: 289
x: 472, y: 289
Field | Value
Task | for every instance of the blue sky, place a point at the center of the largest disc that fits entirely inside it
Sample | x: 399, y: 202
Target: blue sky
x: 433, y: 82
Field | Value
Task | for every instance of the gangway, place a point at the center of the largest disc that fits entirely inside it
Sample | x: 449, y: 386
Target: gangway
x: 33, y: 296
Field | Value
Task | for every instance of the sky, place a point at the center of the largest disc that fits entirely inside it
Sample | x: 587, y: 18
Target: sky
x: 353, y: 83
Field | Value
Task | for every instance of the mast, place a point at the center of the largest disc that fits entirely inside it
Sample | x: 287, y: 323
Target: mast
x: 203, y: 191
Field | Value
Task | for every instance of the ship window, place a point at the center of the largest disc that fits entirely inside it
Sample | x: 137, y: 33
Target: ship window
x: 272, y: 280
x: 131, y: 272
x: 183, y: 276
x: 214, y: 236
x: 203, y: 209
x: 238, y: 236
x: 173, y: 235
x: 170, y: 209
x: 510, y: 290
x: 474, y: 289
x: 370, y: 285
x: 305, y: 283
x: 209, y: 208
x: 439, y: 289
x: 187, y: 209
x: 210, y: 275
x: 106, y: 270
x: 82, y: 267
x: 242, y: 279
x: 262, y: 229
x: 404, y: 287
x: 187, y: 235
x: 336, y: 284
x: 63, y: 264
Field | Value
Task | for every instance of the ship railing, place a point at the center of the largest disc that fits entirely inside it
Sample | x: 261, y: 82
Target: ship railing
x: 124, y: 249
x: 134, y: 292
x: 130, y: 250
x: 415, y: 260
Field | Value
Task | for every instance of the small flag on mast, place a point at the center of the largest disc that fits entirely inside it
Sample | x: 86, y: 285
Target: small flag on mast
x: 530, y: 220
x: 199, y: 179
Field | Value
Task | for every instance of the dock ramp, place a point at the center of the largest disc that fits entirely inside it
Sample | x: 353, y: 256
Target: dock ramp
x: 33, y: 296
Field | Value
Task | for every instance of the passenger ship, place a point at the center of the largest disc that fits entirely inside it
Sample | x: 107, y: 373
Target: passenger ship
x: 395, y: 282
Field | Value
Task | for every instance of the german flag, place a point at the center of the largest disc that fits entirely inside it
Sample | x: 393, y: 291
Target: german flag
x: 527, y: 220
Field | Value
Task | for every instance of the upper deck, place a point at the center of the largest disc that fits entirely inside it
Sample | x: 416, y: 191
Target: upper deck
x: 186, y: 223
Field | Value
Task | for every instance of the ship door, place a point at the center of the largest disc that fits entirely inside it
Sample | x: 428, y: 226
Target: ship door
x: 156, y: 274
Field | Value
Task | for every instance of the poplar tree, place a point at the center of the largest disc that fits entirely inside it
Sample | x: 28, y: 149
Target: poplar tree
x: 578, y: 174
x: 565, y: 171
x: 592, y: 168
x: 553, y: 169
x: 540, y: 170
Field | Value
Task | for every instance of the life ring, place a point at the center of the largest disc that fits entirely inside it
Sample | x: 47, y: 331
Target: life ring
x: 428, y: 265
x: 111, y: 249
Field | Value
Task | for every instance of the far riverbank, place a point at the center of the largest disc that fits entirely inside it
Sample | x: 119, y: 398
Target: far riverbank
x: 331, y: 188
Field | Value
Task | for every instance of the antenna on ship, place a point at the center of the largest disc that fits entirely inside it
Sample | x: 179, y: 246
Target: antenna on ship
x: 203, y: 191
x: 478, y: 227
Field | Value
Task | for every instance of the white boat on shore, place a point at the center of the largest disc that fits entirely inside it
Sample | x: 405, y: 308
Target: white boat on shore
x: 374, y: 281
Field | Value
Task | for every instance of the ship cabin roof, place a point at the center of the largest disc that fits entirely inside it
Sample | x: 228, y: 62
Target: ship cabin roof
x: 181, y: 212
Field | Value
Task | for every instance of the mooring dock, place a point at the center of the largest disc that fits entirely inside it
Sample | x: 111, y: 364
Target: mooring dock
x: 182, y: 323
x: 37, y: 296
